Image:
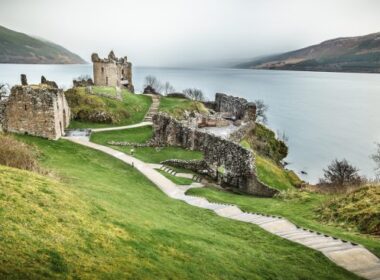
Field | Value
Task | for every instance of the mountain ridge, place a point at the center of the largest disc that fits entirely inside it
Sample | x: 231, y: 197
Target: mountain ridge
x: 344, y: 54
x: 20, y: 48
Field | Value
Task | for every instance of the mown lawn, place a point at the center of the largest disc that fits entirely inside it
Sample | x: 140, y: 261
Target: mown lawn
x: 299, y: 208
x: 147, y: 154
x: 104, y: 220
x: 132, y: 109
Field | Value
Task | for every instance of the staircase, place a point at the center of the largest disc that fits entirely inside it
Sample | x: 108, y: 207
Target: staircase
x: 153, y: 108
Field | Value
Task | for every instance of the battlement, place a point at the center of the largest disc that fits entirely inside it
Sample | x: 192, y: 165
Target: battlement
x: 112, y: 71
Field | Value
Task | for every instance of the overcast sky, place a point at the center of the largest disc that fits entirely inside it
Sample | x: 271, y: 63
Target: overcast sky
x: 182, y: 32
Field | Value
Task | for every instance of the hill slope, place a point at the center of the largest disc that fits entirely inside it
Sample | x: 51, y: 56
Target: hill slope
x: 16, y: 47
x: 351, y: 54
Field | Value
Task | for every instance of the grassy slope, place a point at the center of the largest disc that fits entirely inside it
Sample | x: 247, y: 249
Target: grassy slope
x: 300, y: 211
x: 17, y: 47
x: 176, y: 180
x: 109, y: 222
x: 136, y: 105
x: 104, y: 90
x: 147, y: 154
x: 177, y: 106
x: 275, y: 176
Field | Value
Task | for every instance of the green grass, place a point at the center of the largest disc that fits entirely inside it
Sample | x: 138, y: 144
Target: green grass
x: 176, y: 180
x: 177, y: 106
x: 275, y: 176
x: 104, y: 89
x: 106, y: 221
x: 300, y: 209
x: 129, y: 111
x: 147, y: 154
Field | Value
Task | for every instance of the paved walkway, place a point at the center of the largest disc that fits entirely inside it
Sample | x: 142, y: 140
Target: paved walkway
x: 353, y: 257
x: 120, y: 127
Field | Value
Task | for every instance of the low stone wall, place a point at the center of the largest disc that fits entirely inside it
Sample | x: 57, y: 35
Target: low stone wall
x: 231, y: 164
x: 198, y: 166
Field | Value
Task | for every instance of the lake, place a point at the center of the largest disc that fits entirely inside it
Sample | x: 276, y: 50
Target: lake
x: 324, y: 115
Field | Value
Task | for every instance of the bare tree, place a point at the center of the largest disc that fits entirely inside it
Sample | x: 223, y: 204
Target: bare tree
x: 261, y: 109
x: 376, y: 159
x: 168, y: 88
x: 153, y: 82
x: 194, y: 94
x: 341, y: 173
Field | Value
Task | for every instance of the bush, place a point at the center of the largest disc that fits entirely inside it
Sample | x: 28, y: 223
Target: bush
x: 341, y: 173
x: 194, y: 94
x: 17, y: 154
x: 359, y: 208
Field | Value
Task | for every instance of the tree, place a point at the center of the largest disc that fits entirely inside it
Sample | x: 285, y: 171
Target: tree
x: 376, y: 159
x: 168, y: 88
x: 153, y: 82
x: 261, y: 109
x: 194, y: 94
x: 341, y: 173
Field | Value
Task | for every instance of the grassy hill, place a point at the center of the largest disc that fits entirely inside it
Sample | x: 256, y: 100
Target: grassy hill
x: 16, y: 47
x: 351, y: 54
x: 102, y: 220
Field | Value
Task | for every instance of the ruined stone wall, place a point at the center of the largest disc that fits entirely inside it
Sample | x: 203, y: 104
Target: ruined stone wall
x: 233, y: 107
x: 231, y: 164
x: 37, y: 110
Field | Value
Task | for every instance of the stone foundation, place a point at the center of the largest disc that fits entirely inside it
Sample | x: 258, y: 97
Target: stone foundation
x: 228, y: 162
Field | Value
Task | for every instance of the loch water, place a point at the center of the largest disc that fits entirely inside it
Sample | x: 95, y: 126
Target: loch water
x: 324, y: 115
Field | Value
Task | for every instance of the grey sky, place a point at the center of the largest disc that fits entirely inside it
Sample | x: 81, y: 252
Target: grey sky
x: 181, y: 32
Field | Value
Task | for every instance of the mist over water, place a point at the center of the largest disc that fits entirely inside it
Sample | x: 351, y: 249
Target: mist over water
x: 325, y: 115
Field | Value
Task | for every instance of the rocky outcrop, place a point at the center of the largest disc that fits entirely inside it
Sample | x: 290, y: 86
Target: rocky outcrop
x: 227, y: 162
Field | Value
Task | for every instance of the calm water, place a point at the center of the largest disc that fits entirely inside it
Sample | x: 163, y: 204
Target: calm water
x: 325, y: 115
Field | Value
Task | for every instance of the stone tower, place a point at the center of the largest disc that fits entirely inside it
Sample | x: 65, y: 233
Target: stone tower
x: 112, y: 71
x: 39, y: 110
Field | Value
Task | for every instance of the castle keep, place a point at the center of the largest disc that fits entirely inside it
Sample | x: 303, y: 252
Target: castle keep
x: 39, y: 110
x: 112, y: 71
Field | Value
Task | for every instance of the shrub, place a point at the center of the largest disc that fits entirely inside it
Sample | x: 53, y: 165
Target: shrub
x: 341, y: 173
x: 194, y: 94
x: 16, y: 154
x: 359, y: 208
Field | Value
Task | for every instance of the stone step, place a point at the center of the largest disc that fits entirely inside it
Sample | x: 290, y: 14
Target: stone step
x: 371, y: 272
x: 228, y: 211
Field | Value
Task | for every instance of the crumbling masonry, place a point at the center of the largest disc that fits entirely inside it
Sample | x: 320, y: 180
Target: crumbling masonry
x: 224, y: 160
x: 112, y: 71
x: 39, y: 110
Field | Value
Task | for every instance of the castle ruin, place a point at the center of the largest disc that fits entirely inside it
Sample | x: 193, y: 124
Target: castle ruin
x: 39, y: 110
x: 112, y: 71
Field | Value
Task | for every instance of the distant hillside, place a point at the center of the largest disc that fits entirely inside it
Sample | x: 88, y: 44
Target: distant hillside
x: 16, y: 47
x: 351, y: 54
